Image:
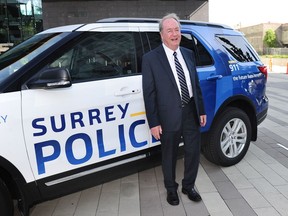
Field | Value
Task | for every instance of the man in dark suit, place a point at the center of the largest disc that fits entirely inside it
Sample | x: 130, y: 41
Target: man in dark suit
x: 174, y: 106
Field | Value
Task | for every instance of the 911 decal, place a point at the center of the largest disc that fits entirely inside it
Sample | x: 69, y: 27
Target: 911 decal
x: 234, y: 67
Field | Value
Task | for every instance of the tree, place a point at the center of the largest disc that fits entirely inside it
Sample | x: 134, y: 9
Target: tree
x: 270, y: 38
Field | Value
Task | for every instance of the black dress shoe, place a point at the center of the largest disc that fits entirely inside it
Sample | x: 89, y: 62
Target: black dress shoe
x: 192, y: 194
x: 172, y: 198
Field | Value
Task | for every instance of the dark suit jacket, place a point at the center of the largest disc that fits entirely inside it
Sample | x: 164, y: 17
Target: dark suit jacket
x: 160, y: 91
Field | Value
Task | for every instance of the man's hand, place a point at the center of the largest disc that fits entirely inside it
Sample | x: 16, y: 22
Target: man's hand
x: 156, y: 131
x: 203, y: 120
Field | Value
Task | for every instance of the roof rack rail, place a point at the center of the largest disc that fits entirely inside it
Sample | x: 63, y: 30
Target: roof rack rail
x: 155, y: 20
x: 130, y: 19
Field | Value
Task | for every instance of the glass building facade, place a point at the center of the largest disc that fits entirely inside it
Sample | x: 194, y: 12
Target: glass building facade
x: 19, y: 20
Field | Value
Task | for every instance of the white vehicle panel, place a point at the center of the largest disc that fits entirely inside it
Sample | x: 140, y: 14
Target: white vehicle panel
x: 87, y: 123
x: 111, y: 27
x: 149, y: 28
x: 118, y: 27
x: 12, y: 145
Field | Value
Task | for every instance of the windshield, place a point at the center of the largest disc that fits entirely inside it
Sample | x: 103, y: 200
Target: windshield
x: 15, y: 58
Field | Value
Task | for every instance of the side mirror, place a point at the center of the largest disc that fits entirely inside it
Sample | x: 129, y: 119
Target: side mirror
x: 51, y: 78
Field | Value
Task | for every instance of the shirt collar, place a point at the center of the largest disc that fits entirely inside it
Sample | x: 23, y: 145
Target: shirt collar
x: 170, y: 52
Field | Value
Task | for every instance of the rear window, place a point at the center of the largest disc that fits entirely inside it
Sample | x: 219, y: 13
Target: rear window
x: 238, y: 47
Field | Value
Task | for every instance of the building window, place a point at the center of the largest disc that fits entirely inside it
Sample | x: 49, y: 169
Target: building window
x: 19, y: 20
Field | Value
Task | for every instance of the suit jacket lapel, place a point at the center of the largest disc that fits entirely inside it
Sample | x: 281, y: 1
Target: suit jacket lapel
x: 164, y: 61
x: 188, y: 62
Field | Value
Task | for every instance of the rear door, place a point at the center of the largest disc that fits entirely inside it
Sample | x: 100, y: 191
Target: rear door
x: 207, y: 72
x: 205, y: 66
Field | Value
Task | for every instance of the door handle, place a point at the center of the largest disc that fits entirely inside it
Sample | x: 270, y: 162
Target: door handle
x: 125, y: 91
x: 214, y: 77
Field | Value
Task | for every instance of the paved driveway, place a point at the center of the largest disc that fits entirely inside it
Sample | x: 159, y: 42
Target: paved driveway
x: 258, y: 185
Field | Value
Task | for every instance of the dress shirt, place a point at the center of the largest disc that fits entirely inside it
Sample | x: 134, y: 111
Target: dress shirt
x: 170, y: 56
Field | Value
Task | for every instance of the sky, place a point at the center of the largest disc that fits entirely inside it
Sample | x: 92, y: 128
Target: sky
x: 243, y: 13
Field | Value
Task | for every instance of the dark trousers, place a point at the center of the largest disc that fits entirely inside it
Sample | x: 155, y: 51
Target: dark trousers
x: 190, y: 131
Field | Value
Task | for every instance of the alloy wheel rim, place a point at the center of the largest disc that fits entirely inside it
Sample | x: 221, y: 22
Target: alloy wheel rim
x: 233, y: 138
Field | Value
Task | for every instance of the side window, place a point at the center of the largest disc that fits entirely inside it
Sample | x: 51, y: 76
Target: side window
x: 154, y: 39
x: 203, y: 57
x: 238, y: 48
x: 100, y: 55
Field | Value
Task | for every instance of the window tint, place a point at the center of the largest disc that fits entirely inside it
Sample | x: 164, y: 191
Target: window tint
x: 100, y: 55
x: 203, y: 58
x: 154, y: 39
x: 238, y: 48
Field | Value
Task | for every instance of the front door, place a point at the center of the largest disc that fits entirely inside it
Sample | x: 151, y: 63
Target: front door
x: 101, y: 116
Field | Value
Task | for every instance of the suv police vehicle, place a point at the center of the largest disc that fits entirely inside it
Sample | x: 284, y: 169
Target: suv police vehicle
x: 72, y: 112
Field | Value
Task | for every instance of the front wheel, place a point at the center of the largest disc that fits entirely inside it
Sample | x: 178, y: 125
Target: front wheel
x: 229, y: 138
x: 6, y: 203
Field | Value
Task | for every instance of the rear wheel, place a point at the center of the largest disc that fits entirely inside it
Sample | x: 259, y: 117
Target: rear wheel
x: 6, y: 203
x: 229, y: 138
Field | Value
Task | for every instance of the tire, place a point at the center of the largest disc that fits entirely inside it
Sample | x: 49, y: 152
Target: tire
x: 6, y: 203
x: 229, y: 138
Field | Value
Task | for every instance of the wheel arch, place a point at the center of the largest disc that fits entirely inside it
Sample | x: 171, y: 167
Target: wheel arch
x: 26, y: 194
x: 243, y: 103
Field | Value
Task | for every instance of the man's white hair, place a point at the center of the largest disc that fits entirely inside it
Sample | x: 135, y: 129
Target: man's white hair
x: 168, y: 16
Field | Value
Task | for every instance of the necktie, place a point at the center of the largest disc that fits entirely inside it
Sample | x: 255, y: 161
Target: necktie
x: 182, y: 80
